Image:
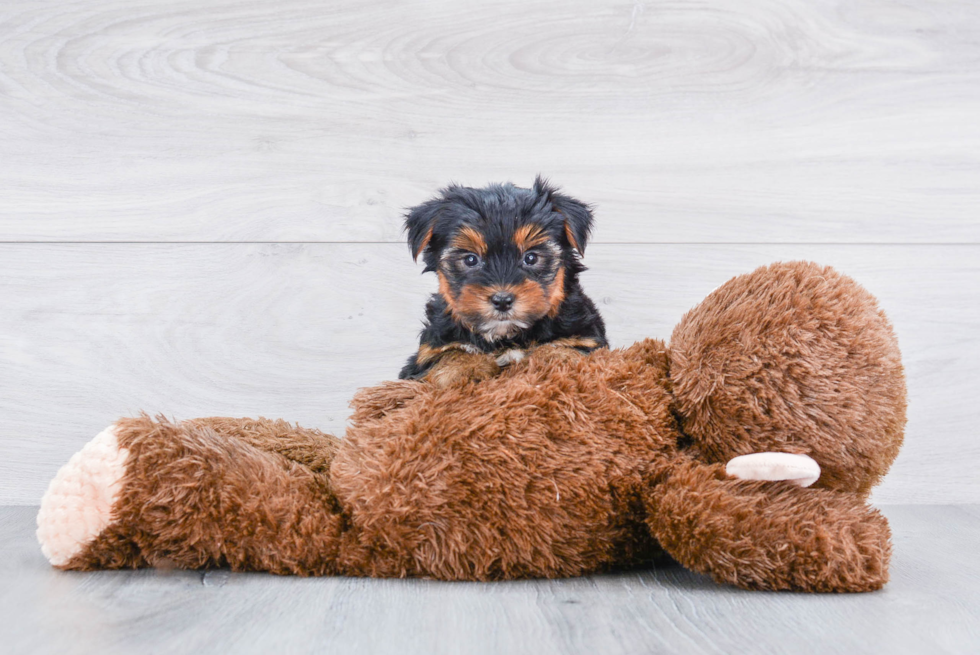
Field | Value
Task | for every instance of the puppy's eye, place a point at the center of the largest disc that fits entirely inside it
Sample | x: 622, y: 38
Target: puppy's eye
x: 471, y: 260
x: 530, y: 259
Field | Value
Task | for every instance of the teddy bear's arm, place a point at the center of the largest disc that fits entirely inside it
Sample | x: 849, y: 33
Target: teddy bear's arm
x: 457, y: 367
x: 768, y: 535
x: 566, y: 349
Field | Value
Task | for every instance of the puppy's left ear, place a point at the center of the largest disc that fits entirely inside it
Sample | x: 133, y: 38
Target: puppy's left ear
x: 420, y: 222
x: 577, y: 214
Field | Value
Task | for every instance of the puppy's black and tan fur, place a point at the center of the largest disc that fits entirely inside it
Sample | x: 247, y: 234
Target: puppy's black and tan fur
x: 507, y: 259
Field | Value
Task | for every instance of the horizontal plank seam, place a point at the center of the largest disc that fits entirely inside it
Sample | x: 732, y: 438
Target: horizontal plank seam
x: 594, y: 243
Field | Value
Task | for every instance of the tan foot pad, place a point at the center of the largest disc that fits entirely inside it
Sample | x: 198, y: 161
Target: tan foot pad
x: 799, y: 469
x: 78, y: 503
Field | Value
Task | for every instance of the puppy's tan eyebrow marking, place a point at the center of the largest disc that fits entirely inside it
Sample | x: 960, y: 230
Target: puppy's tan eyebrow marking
x: 471, y: 240
x: 528, y: 236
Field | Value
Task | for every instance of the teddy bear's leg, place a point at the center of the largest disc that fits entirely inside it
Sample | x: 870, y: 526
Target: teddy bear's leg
x: 375, y: 403
x: 795, y: 358
x: 181, y: 495
x: 768, y: 535
x: 311, y: 448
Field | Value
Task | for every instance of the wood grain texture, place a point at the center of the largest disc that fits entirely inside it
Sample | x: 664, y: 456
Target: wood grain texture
x: 89, y: 332
x: 930, y: 606
x: 222, y: 120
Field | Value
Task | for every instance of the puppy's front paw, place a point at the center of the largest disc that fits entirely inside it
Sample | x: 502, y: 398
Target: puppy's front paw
x: 555, y: 352
x: 458, y: 367
x: 511, y: 356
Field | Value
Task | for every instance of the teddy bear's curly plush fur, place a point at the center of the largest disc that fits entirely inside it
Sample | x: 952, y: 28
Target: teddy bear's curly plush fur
x: 561, y: 465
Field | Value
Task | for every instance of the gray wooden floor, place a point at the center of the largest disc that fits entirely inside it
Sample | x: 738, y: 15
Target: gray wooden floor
x: 932, y: 605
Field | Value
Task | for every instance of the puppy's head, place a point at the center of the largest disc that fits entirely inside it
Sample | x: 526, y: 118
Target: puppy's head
x: 503, y: 254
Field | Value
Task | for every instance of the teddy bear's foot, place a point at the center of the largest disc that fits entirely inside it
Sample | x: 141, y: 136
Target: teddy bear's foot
x: 798, y: 469
x: 77, y: 506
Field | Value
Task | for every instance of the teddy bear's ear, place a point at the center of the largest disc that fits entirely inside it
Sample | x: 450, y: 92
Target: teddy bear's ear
x: 420, y: 223
x: 576, y: 214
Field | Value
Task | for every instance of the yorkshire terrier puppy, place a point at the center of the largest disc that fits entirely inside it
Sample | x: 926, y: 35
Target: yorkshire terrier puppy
x: 508, y: 260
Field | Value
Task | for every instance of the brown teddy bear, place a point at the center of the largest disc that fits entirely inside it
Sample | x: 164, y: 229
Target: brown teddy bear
x: 560, y: 465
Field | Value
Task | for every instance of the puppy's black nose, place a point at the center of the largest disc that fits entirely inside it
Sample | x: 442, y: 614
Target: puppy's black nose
x: 502, y: 301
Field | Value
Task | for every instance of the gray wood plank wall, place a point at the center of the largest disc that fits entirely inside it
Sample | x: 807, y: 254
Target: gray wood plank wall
x: 200, y: 202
